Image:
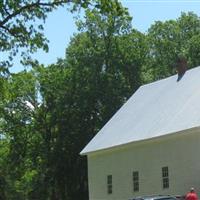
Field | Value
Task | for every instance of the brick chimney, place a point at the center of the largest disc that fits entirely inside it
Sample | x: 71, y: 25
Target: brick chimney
x: 181, y: 67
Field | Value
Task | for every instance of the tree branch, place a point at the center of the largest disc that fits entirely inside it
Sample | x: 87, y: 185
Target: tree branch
x: 31, y: 6
x: 11, y: 32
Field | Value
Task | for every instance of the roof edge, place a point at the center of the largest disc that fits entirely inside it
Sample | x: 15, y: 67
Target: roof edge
x: 193, y: 129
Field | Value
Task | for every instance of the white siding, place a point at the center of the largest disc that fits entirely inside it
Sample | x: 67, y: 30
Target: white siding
x: 180, y: 152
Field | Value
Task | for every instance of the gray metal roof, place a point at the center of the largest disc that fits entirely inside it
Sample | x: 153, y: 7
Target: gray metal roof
x: 155, y: 109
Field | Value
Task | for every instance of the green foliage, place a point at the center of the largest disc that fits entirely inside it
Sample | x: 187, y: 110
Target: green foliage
x: 109, y: 55
x: 17, y: 112
x: 4, y: 149
x: 49, y: 114
x: 79, y: 94
x: 170, y: 39
x: 21, y: 24
x: 18, y: 27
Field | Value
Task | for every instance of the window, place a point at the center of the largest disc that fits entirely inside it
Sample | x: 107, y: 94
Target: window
x: 135, y: 181
x: 109, y: 184
x: 165, y: 177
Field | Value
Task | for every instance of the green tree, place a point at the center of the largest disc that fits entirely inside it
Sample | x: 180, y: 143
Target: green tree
x: 3, y: 166
x: 80, y: 93
x: 21, y: 27
x: 171, y: 39
x: 112, y: 52
x: 17, y: 117
x: 21, y: 24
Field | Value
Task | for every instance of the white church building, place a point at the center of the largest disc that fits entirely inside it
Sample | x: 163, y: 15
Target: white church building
x: 151, y: 145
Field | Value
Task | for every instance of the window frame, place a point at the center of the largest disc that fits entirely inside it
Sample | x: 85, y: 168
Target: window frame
x: 165, y: 177
x: 135, y: 177
x: 109, y: 184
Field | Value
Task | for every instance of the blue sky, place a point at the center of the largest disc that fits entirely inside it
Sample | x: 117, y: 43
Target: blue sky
x: 60, y: 25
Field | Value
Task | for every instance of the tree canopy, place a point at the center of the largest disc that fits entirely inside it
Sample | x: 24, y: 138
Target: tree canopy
x: 171, y: 39
x: 21, y: 24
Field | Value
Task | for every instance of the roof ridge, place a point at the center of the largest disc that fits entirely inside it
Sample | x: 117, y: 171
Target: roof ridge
x: 164, y: 79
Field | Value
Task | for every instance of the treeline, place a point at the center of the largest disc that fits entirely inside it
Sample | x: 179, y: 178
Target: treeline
x: 47, y: 115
